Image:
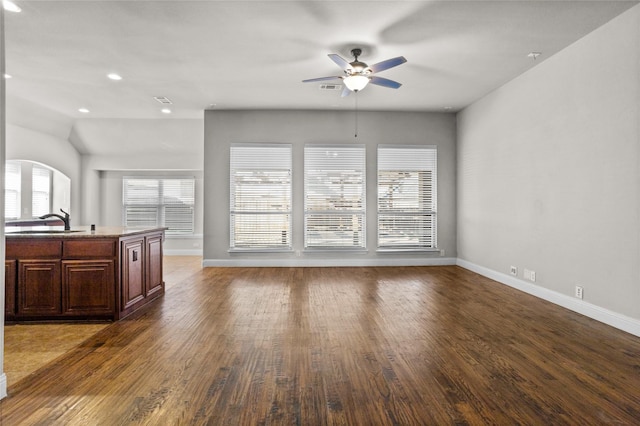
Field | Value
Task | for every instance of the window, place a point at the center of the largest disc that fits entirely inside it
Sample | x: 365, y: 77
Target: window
x: 334, y: 191
x: 41, y: 188
x: 12, y: 190
x: 260, y: 197
x: 159, y: 202
x: 407, y: 197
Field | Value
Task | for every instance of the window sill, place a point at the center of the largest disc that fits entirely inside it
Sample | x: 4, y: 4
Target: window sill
x: 334, y: 249
x: 405, y: 250
x: 184, y: 237
x: 259, y: 250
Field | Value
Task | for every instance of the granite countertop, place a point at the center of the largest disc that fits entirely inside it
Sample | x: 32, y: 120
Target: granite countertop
x: 75, y: 232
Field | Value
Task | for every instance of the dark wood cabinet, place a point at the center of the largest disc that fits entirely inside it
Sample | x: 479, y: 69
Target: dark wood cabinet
x: 87, y: 287
x: 9, y: 288
x: 141, y: 270
x: 39, y: 287
x: 82, y: 278
x: 155, y: 282
x: 133, y: 290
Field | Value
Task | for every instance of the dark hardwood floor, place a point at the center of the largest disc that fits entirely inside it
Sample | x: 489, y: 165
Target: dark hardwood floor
x: 347, y: 346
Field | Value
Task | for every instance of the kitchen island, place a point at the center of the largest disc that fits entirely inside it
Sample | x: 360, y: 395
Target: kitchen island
x: 81, y: 274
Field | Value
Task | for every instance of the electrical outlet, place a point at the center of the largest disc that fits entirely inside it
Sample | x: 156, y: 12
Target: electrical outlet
x: 441, y: 252
x: 579, y: 292
x: 530, y: 275
x: 514, y: 271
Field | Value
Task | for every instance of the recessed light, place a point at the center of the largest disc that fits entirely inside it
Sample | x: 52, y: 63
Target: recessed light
x: 166, y: 110
x: 7, y: 76
x: 10, y: 6
x: 114, y: 76
x: 84, y: 110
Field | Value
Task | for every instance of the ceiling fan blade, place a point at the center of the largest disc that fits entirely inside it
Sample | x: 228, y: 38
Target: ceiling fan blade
x: 389, y: 63
x: 342, y: 63
x: 385, y: 82
x: 322, y: 79
x: 345, y: 92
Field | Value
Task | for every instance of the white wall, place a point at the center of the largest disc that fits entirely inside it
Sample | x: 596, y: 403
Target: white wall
x: 137, y: 145
x: 299, y: 127
x: 3, y: 377
x: 549, y: 176
x: 32, y: 145
x: 167, y: 147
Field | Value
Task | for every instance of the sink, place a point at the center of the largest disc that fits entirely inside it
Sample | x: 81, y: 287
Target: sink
x: 44, y: 231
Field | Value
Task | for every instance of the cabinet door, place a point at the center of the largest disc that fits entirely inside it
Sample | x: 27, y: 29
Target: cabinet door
x: 39, y: 287
x: 132, y: 272
x: 154, y: 265
x: 87, y: 287
x: 9, y: 288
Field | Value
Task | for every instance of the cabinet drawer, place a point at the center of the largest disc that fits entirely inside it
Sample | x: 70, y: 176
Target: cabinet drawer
x: 89, y: 248
x: 34, y: 249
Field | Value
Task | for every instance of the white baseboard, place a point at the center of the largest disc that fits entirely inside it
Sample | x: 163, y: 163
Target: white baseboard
x: 182, y: 252
x: 303, y: 263
x: 3, y: 385
x: 614, y: 319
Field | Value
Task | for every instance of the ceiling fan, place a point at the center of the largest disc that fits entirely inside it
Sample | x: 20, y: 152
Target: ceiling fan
x: 358, y: 74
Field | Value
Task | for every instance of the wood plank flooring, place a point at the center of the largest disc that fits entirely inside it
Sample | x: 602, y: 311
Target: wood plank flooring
x: 339, y: 346
x: 28, y: 347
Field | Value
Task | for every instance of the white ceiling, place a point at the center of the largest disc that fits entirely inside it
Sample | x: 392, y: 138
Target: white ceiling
x: 254, y: 54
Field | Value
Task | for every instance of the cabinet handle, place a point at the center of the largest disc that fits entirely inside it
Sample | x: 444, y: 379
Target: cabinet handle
x: 135, y: 255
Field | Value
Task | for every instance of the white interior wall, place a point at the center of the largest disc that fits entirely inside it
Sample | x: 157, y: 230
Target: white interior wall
x: 169, y: 145
x: 298, y: 128
x: 3, y: 376
x: 548, y: 176
x: 32, y: 145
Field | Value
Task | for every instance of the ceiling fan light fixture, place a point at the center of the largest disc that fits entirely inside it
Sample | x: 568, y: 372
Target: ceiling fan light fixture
x: 356, y: 83
x: 10, y: 6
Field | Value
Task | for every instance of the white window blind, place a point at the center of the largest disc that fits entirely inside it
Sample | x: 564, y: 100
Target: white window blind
x: 12, y: 185
x: 149, y: 202
x: 260, y: 197
x: 41, y: 189
x: 334, y: 191
x: 407, y: 197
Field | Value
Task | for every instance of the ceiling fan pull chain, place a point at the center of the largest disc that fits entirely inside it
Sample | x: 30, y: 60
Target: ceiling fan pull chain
x: 356, y: 96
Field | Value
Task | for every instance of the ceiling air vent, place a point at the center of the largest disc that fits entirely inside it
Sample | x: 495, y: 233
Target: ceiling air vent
x: 163, y: 100
x: 331, y: 87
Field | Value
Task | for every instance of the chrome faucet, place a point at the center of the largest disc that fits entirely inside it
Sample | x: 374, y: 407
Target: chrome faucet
x: 65, y: 218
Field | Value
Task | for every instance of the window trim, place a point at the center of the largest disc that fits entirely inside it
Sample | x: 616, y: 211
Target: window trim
x: 33, y: 190
x: 361, y: 212
x: 430, y: 212
x: 161, y: 206
x: 16, y: 191
x: 284, y: 165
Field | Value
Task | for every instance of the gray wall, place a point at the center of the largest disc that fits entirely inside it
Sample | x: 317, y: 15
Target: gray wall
x: 298, y: 128
x: 548, y: 175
